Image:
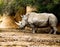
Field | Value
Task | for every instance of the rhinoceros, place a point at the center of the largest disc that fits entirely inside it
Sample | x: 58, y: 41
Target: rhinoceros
x: 35, y: 20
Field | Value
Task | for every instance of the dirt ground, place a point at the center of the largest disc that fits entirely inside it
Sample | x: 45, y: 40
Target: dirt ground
x: 25, y: 38
x: 19, y: 38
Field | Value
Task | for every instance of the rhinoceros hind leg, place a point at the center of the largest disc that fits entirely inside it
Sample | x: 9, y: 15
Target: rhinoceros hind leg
x: 50, y: 31
x: 55, y: 30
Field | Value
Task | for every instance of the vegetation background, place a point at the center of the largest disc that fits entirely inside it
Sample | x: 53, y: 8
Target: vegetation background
x: 12, y: 6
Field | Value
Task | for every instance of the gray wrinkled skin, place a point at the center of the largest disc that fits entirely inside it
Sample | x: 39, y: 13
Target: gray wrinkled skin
x: 36, y: 20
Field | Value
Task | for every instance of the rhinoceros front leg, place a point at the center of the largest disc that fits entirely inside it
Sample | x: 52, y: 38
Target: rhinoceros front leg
x: 34, y: 29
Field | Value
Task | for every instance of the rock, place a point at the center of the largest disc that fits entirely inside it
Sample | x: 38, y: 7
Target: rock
x: 8, y: 22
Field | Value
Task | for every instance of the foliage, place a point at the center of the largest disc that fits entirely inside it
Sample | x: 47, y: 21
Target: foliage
x: 49, y: 6
x: 1, y: 6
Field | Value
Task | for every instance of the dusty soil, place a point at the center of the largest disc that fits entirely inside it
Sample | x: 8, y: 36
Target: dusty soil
x: 19, y: 38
